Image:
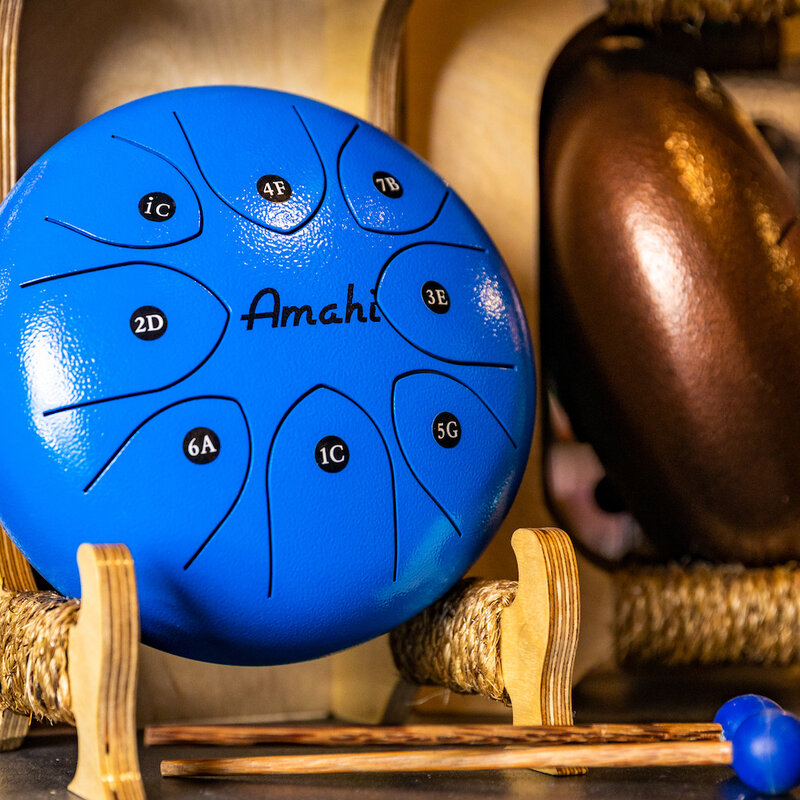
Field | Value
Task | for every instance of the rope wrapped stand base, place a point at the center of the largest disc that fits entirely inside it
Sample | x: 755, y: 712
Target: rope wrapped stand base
x: 707, y: 615
x: 698, y: 614
x: 34, y: 633
x: 455, y: 643
x: 652, y: 13
x: 510, y: 641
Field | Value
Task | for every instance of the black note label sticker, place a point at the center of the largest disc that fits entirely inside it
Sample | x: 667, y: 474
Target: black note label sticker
x: 274, y: 188
x: 435, y: 296
x: 157, y: 206
x: 201, y: 445
x: 446, y: 430
x: 332, y: 454
x: 148, y: 323
x: 387, y: 185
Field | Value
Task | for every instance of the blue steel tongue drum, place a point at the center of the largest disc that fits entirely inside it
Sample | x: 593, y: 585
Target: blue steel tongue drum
x: 265, y: 346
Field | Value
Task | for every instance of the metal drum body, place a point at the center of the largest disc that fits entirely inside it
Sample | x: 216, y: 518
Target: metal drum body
x: 261, y: 343
x: 671, y: 300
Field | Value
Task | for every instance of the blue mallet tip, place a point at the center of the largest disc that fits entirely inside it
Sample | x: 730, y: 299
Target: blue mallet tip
x: 766, y: 751
x: 736, y: 711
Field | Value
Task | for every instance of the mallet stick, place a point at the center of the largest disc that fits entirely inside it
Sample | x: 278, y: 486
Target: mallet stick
x: 337, y: 736
x: 659, y: 754
x: 758, y: 739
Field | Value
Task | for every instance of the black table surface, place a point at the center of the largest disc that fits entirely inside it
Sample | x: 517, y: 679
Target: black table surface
x: 43, y: 767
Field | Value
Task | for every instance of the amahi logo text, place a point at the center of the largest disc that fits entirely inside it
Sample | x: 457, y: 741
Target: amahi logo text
x: 266, y: 305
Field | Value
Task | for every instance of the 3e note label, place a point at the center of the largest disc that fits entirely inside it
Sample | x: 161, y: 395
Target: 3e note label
x: 387, y: 185
x: 201, y: 445
x: 148, y: 323
x: 446, y: 430
x: 157, y: 206
x: 332, y: 454
x: 435, y: 296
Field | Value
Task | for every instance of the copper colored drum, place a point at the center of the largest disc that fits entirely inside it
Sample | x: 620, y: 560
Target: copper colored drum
x: 671, y: 300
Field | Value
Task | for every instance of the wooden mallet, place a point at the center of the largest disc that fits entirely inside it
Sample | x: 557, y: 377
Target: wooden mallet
x: 753, y: 735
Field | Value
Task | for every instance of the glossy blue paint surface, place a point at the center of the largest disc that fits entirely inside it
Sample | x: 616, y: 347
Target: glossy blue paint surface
x: 736, y: 710
x: 766, y: 751
x: 183, y: 379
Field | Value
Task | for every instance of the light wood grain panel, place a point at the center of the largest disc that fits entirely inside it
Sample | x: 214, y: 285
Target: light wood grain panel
x: 79, y: 58
x: 173, y: 689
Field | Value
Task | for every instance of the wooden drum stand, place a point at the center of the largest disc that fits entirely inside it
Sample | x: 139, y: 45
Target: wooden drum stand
x: 66, y: 661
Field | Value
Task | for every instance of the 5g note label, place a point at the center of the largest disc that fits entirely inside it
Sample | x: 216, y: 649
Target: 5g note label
x: 148, y: 323
x: 201, y: 445
x: 274, y: 188
x: 332, y: 454
x: 387, y: 185
x: 157, y: 206
x: 435, y: 296
x: 446, y: 430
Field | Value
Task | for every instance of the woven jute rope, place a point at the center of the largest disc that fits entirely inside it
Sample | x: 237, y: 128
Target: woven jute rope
x: 653, y: 12
x: 455, y: 643
x: 34, y: 629
x: 704, y: 614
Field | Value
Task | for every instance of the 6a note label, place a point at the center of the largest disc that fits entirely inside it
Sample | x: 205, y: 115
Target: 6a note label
x: 201, y: 445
